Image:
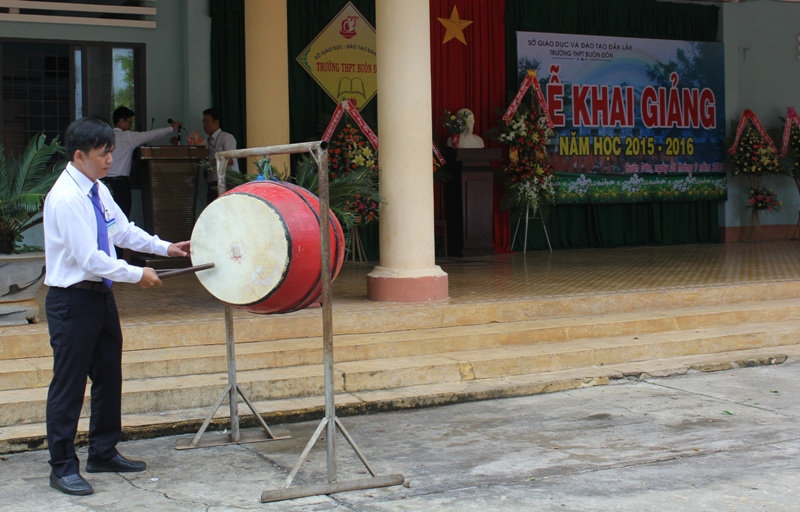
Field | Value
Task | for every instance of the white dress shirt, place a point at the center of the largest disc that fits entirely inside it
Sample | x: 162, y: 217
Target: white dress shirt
x: 221, y: 141
x: 70, y: 235
x: 125, y: 141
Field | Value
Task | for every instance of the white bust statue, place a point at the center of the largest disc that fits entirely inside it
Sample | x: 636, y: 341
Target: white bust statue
x: 467, y: 139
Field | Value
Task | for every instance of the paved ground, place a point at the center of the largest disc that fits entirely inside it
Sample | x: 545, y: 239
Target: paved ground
x: 727, y: 441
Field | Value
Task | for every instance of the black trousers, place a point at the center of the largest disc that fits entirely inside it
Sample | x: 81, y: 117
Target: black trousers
x: 121, y: 189
x: 87, y: 342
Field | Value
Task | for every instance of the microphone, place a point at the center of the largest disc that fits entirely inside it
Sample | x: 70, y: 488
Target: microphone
x: 170, y: 121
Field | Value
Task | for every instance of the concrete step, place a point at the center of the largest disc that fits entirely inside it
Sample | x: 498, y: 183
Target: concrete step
x: 32, y: 341
x: 31, y: 436
x: 210, y: 359
x: 168, y: 393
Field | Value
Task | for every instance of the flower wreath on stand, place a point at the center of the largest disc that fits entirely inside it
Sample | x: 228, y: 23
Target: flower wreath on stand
x: 528, y: 177
x: 349, y: 153
x: 791, y: 141
x: 763, y: 199
x: 353, y: 163
x: 753, y: 156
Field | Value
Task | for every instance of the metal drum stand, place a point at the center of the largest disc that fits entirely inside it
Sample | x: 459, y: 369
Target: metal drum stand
x: 329, y: 423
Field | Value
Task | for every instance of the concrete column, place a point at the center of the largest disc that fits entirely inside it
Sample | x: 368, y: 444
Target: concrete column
x: 195, y: 51
x: 407, y: 270
x: 267, y: 76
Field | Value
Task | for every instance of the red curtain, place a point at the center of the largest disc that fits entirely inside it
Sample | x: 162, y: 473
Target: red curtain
x: 473, y: 77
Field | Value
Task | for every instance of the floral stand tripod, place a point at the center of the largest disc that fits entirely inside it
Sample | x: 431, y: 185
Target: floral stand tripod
x: 527, y: 218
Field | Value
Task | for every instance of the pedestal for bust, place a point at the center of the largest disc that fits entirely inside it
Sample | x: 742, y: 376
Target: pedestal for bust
x: 468, y: 200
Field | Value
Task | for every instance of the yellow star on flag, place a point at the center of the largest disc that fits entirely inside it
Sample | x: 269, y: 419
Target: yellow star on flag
x: 455, y: 27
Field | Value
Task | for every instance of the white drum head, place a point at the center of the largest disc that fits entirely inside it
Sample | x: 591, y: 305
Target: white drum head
x: 249, y: 245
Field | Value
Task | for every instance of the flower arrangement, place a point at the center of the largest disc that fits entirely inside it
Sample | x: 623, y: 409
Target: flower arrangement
x: 455, y: 123
x: 527, y: 131
x: 363, y: 209
x: 528, y: 177
x: 763, y: 199
x: 755, y: 156
x: 350, y: 154
x: 794, y: 144
x: 349, y: 151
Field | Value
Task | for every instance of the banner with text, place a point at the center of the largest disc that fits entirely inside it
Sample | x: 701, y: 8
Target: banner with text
x: 623, y: 105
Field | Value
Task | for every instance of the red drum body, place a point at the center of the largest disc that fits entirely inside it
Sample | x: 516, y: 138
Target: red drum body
x: 263, y: 238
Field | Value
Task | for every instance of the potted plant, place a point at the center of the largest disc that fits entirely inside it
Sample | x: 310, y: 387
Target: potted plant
x: 25, y: 180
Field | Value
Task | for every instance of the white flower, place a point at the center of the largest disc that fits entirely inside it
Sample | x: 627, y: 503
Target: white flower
x: 580, y: 186
x: 532, y: 192
x: 634, y: 185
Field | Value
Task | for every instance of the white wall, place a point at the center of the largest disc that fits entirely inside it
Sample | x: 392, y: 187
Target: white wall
x: 178, y: 66
x: 177, y: 58
x: 762, y: 73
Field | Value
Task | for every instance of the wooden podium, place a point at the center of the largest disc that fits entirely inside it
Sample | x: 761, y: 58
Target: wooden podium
x: 168, y: 176
x: 468, y: 200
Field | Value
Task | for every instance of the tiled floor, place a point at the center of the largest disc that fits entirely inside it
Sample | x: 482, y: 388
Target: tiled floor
x: 508, y: 277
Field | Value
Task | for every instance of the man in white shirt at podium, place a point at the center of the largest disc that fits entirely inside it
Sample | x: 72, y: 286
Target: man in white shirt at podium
x: 125, y: 141
x: 217, y: 141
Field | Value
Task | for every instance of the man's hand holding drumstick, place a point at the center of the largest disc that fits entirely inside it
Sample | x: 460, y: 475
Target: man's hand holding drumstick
x: 150, y: 277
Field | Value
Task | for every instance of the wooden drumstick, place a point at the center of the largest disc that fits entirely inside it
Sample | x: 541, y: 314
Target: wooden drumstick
x: 178, y: 271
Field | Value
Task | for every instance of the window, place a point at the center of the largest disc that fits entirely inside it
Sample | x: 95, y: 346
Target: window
x: 48, y: 85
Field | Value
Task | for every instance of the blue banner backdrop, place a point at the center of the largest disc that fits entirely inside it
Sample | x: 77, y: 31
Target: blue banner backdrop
x: 630, y: 106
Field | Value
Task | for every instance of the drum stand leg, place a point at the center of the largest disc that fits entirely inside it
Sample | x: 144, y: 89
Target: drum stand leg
x: 232, y: 391
x: 330, y: 422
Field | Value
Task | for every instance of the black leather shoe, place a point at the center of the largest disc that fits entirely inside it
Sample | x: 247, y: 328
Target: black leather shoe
x: 71, y: 484
x: 116, y: 464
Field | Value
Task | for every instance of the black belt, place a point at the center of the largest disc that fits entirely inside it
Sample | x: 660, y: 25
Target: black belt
x: 91, y: 285
x: 113, y: 178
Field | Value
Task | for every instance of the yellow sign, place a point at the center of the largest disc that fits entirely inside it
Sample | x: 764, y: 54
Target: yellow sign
x: 342, y: 58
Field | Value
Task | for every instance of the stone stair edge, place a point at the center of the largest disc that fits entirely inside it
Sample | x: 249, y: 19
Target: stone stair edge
x: 30, y: 437
x: 29, y: 370
x: 383, y: 373
x: 783, y: 305
x: 773, y: 292
x: 313, y: 347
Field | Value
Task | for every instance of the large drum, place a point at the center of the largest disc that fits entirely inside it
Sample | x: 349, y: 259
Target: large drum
x: 263, y: 238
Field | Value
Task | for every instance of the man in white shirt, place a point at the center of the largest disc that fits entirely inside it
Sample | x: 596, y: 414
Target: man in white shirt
x: 82, y: 224
x: 125, y: 141
x: 217, y: 141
